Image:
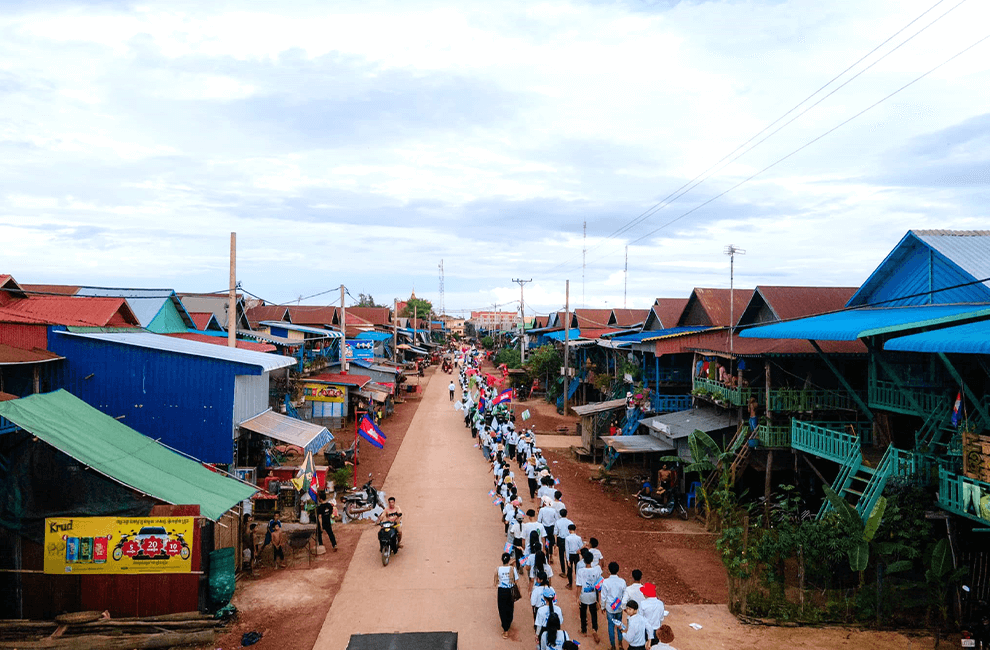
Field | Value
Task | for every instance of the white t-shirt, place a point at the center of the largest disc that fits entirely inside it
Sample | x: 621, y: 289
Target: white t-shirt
x: 573, y: 544
x: 545, y: 491
x: 585, y: 579
x: 507, y: 575
x: 558, y: 644
x: 543, y: 613
x: 595, y: 553
x: 652, y: 610
x: 560, y: 528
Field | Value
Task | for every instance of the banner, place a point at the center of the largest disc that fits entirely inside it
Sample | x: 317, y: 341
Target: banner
x: 121, y: 545
x: 324, y: 393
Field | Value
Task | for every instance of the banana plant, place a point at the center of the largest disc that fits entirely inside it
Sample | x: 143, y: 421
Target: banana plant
x: 863, y: 533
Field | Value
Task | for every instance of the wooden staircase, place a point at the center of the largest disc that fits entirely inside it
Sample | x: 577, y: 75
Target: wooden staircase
x: 741, y: 452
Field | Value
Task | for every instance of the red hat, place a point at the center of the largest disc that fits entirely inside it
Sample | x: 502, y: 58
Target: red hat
x: 649, y: 590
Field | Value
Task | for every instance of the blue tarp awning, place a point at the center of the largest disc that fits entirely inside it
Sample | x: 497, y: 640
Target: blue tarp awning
x: 971, y: 338
x: 868, y: 321
x: 559, y: 336
x: 374, y: 336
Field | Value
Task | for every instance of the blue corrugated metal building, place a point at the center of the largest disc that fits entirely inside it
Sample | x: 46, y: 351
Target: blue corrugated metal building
x: 187, y: 394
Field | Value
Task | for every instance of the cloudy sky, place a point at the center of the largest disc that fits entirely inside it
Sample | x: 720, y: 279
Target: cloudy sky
x: 362, y: 142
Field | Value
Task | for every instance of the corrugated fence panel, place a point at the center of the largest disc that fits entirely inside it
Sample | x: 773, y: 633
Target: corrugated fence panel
x: 250, y: 397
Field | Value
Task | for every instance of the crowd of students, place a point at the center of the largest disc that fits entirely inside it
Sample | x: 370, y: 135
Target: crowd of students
x: 539, y: 535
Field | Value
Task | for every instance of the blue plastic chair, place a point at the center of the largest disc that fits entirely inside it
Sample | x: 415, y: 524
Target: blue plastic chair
x: 692, y: 495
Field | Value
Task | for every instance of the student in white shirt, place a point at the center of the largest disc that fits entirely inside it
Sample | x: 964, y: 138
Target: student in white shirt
x: 595, y: 553
x: 633, y: 591
x: 505, y: 577
x: 638, y: 632
x: 611, y: 601
x: 572, y: 544
x: 536, y: 594
x: 547, y: 518
x: 652, y: 609
x: 545, y: 490
x: 557, y: 503
x: 552, y: 637
x: 543, y: 613
x: 588, y: 575
x: 560, y: 532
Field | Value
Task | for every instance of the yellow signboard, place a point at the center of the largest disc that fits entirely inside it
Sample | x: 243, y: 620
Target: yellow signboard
x: 123, y: 545
x: 324, y: 393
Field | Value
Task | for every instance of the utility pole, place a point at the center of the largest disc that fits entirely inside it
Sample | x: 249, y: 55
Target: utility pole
x: 232, y: 301
x: 567, y: 341
x: 625, y: 281
x: 522, y: 320
x: 343, y: 330
x: 584, y: 259
x: 732, y: 251
x: 442, y: 309
x: 395, y: 330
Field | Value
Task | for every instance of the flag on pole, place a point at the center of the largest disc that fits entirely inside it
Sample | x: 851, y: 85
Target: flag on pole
x: 526, y: 560
x: 957, y: 409
x: 370, y: 432
x: 508, y: 547
x: 504, y: 396
x: 525, y: 415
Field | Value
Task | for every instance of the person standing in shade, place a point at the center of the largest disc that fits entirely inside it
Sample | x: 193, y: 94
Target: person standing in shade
x: 324, y: 520
x: 505, y: 578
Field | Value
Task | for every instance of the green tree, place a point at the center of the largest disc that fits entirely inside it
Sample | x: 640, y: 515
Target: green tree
x: 488, y: 343
x: 422, y: 308
x: 544, y: 364
x: 510, y: 357
x: 367, y: 300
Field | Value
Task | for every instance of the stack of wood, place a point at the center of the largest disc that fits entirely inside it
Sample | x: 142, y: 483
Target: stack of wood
x: 96, y: 630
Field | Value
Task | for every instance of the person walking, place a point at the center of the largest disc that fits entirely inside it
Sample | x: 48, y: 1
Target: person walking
x: 638, y: 633
x: 451, y: 388
x: 652, y: 609
x: 588, y: 578
x: 613, y: 589
x: 324, y: 520
x: 560, y: 533
x: 505, y: 579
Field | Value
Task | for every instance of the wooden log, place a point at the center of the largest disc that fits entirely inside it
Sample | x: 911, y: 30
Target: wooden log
x: 133, y: 624
x: 124, y: 642
x: 182, y: 616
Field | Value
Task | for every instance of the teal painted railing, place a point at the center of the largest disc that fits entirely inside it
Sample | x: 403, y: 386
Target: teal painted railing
x: 6, y: 426
x: 875, y: 487
x: 957, y: 494
x: 822, y: 441
x: 849, y: 465
x: 774, y: 436
x: 887, y: 395
x: 669, y: 403
x: 721, y: 392
x: 781, y: 399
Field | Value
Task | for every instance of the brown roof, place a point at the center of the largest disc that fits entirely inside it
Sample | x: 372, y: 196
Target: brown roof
x: 593, y: 318
x: 6, y: 397
x: 669, y: 310
x: 202, y: 319
x: 711, y: 307
x: 267, y: 312
x: 222, y: 340
x: 718, y: 341
x: 313, y: 314
x: 540, y: 321
x: 797, y: 302
x: 9, y: 355
x: 630, y: 317
x: 374, y: 315
x: 70, y: 310
x: 60, y: 289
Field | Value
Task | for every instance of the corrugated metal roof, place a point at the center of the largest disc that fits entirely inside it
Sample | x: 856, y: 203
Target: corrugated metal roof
x: 205, y: 320
x: 277, y: 340
x: 6, y: 397
x: 592, y: 318
x: 717, y: 305
x: 682, y: 423
x: 145, y: 303
x: 222, y: 340
x: 266, y: 362
x: 868, y: 321
x: 599, y: 407
x: 59, y: 289
x: 313, y: 314
x: 590, y: 333
x: 375, y: 336
x: 310, y: 437
x: 11, y: 356
x: 630, y: 317
x: 971, y: 338
x: 373, y: 315
x: 559, y: 335
x: 969, y: 249
x: 656, y: 335
x: 637, y: 444
x: 267, y: 312
x: 718, y: 343
x: 293, y: 327
x: 336, y: 378
x: 69, y: 310
x: 789, y: 303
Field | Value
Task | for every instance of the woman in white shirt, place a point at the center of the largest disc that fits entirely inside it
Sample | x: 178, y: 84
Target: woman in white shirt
x: 552, y: 637
x: 505, y: 578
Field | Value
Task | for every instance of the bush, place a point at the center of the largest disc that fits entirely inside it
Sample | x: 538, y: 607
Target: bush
x: 342, y: 477
x: 510, y: 357
x: 488, y: 343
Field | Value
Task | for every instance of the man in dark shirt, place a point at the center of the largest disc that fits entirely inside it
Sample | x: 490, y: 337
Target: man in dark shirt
x: 324, y: 520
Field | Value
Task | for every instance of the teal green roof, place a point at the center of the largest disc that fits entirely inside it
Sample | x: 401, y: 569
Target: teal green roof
x: 122, y: 454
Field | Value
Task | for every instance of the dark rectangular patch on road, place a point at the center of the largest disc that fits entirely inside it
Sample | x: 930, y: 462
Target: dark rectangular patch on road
x: 404, y: 641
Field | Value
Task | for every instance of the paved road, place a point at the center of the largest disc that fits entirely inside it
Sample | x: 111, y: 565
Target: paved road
x: 442, y: 579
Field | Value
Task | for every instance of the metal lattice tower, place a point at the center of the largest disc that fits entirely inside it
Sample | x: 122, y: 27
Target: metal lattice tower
x: 442, y: 310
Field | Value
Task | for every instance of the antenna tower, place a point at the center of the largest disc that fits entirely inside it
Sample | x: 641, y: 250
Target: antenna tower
x: 584, y: 257
x: 442, y: 310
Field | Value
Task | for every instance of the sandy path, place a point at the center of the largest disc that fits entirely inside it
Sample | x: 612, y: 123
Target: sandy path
x: 442, y: 579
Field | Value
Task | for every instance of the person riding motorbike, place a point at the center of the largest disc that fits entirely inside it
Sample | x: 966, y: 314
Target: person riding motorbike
x: 393, y: 513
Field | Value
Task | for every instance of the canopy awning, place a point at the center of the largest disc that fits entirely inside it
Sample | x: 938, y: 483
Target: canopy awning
x: 683, y: 423
x: 122, y: 454
x: 637, y: 444
x: 374, y: 336
x: 271, y: 338
x: 971, y: 338
x: 600, y: 407
x: 868, y: 321
x: 311, y: 437
x: 572, y: 334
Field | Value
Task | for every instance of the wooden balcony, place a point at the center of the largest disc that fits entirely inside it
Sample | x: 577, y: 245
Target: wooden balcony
x: 964, y: 496
x: 889, y: 396
x: 669, y: 403
x: 774, y: 437
x: 833, y: 444
x: 781, y: 399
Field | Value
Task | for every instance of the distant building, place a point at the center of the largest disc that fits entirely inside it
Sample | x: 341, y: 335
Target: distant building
x: 500, y: 321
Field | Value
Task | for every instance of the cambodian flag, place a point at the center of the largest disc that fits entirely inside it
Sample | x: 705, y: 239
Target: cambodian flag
x: 526, y: 560
x: 504, y: 396
x: 508, y: 547
x: 481, y: 405
x: 957, y: 409
x: 614, y: 605
x: 598, y: 585
x: 370, y: 432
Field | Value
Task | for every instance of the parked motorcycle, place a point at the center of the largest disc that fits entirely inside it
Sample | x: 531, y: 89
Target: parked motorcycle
x: 388, y: 541
x: 976, y: 627
x: 337, y: 458
x: 650, y: 507
x: 361, y: 500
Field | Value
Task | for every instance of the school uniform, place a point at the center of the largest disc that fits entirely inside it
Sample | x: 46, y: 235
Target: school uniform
x: 572, y: 544
x: 638, y: 632
x: 560, y: 532
x: 587, y: 577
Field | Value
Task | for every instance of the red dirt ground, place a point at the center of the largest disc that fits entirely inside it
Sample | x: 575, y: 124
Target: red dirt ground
x: 290, y: 605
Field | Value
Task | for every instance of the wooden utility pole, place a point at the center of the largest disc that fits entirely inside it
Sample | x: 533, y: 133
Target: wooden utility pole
x: 522, y: 320
x: 232, y: 301
x: 343, y: 331
x: 567, y: 341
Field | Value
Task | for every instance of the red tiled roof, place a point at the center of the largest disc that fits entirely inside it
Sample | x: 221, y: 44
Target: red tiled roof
x: 313, y: 315
x: 797, y: 302
x: 222, y: 340
x: 718, y: 341
x: 593, y: 318
x: 630, y: 317
x: 10, y: 355
x: 669, y: 310
x: 70, y: 311
x: 337, y: 378
x: 60, y: 289
x: 374, y: 315
x: 267, y: 312
x: 202, y: 319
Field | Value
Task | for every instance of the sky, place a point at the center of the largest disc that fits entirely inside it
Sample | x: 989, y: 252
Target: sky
x: 362, y: 143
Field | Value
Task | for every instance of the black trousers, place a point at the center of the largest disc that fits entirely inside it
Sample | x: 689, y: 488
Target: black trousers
x: 563, y: 556
x: 533, y: 485
x: 593, y: 607
x: 326, y: 526
x: 572, y: 560
x: 506, y: 607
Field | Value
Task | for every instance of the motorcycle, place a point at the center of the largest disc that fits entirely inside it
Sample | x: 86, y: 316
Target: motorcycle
x: 337, y: 458
x: 361, y: 500
x: 388, y: 541
x: 650, y: 507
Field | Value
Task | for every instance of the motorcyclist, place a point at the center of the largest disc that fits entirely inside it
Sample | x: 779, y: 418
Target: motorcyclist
x: 393, y: 514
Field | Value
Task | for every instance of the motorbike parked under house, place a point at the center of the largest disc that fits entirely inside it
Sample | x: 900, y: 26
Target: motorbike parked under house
x: 650, y: 507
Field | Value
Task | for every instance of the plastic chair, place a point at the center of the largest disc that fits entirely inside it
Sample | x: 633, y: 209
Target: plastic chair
x: 692, y: 495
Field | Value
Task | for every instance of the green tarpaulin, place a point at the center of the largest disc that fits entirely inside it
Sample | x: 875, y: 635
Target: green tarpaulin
x: 115, y: 450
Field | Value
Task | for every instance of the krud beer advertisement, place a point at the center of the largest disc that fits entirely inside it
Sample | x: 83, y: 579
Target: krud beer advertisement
x: 131, y: 545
